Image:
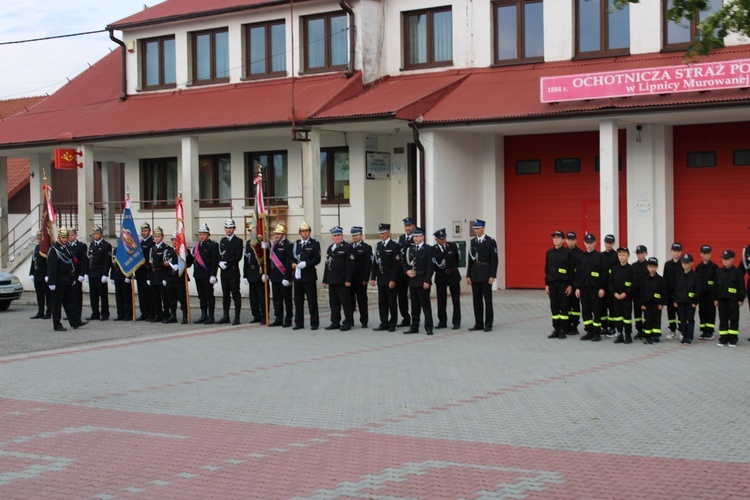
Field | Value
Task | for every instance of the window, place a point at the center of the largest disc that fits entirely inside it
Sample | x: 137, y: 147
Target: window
x: 519, y: 31
x: 215, y: 180
x: 741, y: 157
x: 679, y: 35
x: 619, y: 163
x: 158, y: 63
x: 528, y: 167
x: 334, y: 175
x: 428, y: 38
x: 567, y: 165
x: 275, y: 172
x: 158, y: 182
x: 601, y: 29
x: 700, y: 159
x: 211, y: 56
x: 265, y: 51
x: 325, y: 42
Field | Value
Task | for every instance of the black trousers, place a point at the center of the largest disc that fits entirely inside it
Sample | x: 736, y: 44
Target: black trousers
x: 124, y: 299
x: 591, y: 309
x: 484, y: 314
x: 608, y: 303
x: 340, y: 297
x: 63, y: 298
x: 672, y: 314
x: 359, y: 301
x: 77, y: 291
x: 42, y: 297
x: 420, y: 302
x: 206, y: 295
x: 230, y: 288
x: 620, y: 315
x: 686, y: 313
x: 257, y: 300
x: 707, y: 313
x: 559, y: 307
x: 402, y: 288
x: 99, y: 293
x: 574, y: 315
x: 442, y: 303
x: 729, y: 321
x: 175, y: 294
x: 282, y: 303
x: 159, y: 294
x: 638, y: 314
x: 387, y: 306
x: 652, y: 319
x: 306, y: 290
x: 145, y: 298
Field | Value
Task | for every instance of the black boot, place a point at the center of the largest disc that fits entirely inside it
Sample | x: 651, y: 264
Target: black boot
x: 628, y: 339
x: 172, y: 318
x: 203, y: 317
x: 210, y: 319
x: 619, y: 339
x: 224, y: 319
x: 236, y: 317
x: 184, y: 318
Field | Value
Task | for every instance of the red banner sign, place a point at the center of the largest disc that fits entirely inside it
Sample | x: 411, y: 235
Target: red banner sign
x: 65, y: 159
x: 647, y: 81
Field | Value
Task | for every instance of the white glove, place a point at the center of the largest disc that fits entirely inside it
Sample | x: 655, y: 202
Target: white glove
x: 263, y: 278
x: 212, y: 280
x: 245, y: 282
x: 285, y: 282
x: 46, y: 279
x: 31, y: 277
x: 263, y: 245
x: 52, y: 287
x: 164, y: 283
x: 81, y: 278
x: 175, y: 267
x: 298, y: 273
x: 127, y: 280
x: 148, y: 282
x: 223, y: 264
x: 302, y: 265
x: 105, y: 279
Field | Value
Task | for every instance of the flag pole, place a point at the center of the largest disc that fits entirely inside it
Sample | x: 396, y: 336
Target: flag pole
x: 265, y: 250
x: 185, y: 277
x: 132, y: 287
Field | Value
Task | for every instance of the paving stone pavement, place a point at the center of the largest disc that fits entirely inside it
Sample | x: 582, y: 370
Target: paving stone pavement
x: 255, y: 412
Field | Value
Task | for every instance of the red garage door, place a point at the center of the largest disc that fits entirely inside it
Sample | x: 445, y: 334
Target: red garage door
x: 711, y: 182
x: 538, y: 203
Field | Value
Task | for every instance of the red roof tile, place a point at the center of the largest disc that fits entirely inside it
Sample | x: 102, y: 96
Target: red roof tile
x: 12, y: 107
x: 18, y: 175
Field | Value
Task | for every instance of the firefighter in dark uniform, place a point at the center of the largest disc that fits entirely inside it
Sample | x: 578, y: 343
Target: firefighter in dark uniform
x: 100, y: 263
x: 146, y: 297
x: 419, y: 268
x: 558, y: 284
x: 386, y: 272
x: 590, y: 283
x: 640, y: 267
x: 445, y: 258
x: 254, y: 276
x: 622, y: 288
x: 157, y: 276
x: 305, y: 256
x: 123, y: 292
x: 745, y: 268
x: 729, y: 295
x: 80, y: 261
x: 206, y: 259
x: 362, y: 267
x: 687, y: 292
x: 610, y: 258
x: 707, y: 270
x: 280, y: 275
x: 338, y: 276
x: 175, y: 283
x: 653, y: 296
x: 230, y: 254
x: 575, y: 303
x: 61, y: 274
x: 480, y: 274
x: 37, y: 273
x: 402, y: 286
x: 672, y: 269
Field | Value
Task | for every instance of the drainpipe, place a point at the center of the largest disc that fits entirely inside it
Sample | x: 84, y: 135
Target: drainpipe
x: 119, y: 42
x: 421, y: 181
x: 352, y: 37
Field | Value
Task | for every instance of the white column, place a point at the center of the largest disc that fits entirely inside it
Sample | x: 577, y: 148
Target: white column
x: 108, y: 187
x: 609, y: 210
x: 85, y: 192
x: 493, y: 175
x: 431, y: 174
x: 663, y: 191
x: 188, y: 182
x: 4, y: 210
x: 311, y: 184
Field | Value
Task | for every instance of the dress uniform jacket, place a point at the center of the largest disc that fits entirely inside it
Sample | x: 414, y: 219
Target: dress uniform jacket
x: 308, y: 252
x: 144, y: 272
x: 362, y: 262
x: 687, y: 288
x: 38, y: 265
x: 206, y: 259
x: 80, y: 259
x: 653, y: 290
x: 158, y: 272
x: 445, y: 262
x: 99, y: 258
x: 340, y: 264
x: 622, y: 279
x: 559, y: 266
x: 60, y: 266
x: 591, y: 271
x: 707, y: 273
x: 730, y: 284
x: 171, y: 257
x: 482, y: 259
x: 419, y: 259
x: 230, y: 251
x: 254, y: 267
x: 280, y: 261
x: 386, y: 263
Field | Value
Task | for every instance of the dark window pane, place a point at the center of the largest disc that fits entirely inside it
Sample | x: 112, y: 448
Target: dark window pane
x: 742, y: 157
x: 278, y: 47
x: 323, y: 175
x: 168, y: 62
x: 533, y: 29
x: 442, y: 36
x: 417, y: 25
x: 618, y: 27
x: 507, y: 35
x: 589, y: 29
x: 338, y: 41
x: 699, y: 159
x: 316, y: 48
x: 567, y: 165
x: 526, y: 167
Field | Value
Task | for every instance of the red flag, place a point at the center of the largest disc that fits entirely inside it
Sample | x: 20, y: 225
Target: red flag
x: 260, y: 209
x: 49, y: 227
x: 180, y: 244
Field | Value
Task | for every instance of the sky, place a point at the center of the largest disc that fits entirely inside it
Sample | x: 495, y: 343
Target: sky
x: 39, y: 68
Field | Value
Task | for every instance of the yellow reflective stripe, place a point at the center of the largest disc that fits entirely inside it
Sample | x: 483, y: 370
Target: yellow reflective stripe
x: 710, y: 282
x: 594, y: 274
x: 732, y: 290
x: 657, y: 295
x: 691, y: 294
x: 733, y: 332
x: 627, y: 283
x: 562, y: 271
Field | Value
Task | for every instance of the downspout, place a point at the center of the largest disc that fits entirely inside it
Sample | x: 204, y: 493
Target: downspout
x: 119, y: 42
x: 352, y: 37
x: 421, y: 181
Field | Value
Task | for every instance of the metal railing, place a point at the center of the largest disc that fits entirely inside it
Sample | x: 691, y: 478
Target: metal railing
x: 20, y: 235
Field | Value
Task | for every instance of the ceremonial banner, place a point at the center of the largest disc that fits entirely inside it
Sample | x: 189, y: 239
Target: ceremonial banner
x: 260, y: 209
x: 129, y: 255
x: 49, y: 227
x: 180, y: 245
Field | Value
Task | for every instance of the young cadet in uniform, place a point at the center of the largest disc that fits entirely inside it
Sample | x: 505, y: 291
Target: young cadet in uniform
x: 175, y: 283
x: 123, y: 292
x: 157, y: 276
x: 558, y: 284
x: 306, y: 255
x: 230, y: 254
x: 146, y: 297
x: 575, y: 303
x: 255, y: 277
x: 640, y: 268
x: 445, y: 258
x: 590, y: 283
x: 61, y: 274
x: 362, y: 267
x: 622, y: 288
x: 79, y: 251
x: 480, y: 274
x: 386, y: 271
x: 687, y: 292
x: 707, y: 270
x: 404, y: 242
x: 206, y: 258
x: 338, y: 276
x: 653, y: 297
x: 610, y: 258
x: 280, y: 274
x: 729, y: 295
x: 419, y: 269
x: 672, y: 270
x: 37, y: 273
x: 100, y: 263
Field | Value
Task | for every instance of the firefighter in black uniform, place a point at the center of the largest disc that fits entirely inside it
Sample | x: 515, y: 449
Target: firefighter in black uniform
x: 37, y: 273
x: 729, y: 295
x: 305, y: 256
x: 175, y: 283
x: 255, y: 277
x: 100, y: 263
x: 707, y: 270
x: 146, y: 295
x: 206, y: 260
x: 590, y: 283
x: 653, y: 296
x: 123, y: 292
x: 419, y: 268
x: 745, y: 268
x: 230, y: 254
x: 622, y: 288
x: 386, y: 272
x: 672, y: 269
x: 445, y: 258
x: 610, y: 258
x: 480, y: 274
x: 280, y: 275
x: 362, y: 267
x: 558, y: 284
x: 402, y: 285
x: 571, y: 239
x: 687, y: 291
x: 157, y: 276
x: 338, y: 276
x: 61, y: 274
x: 80, y: 261
x: 640, y: 268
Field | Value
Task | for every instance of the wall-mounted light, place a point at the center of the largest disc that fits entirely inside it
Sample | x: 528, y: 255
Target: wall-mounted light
x: 638, y: 129
x: 31, y: 174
